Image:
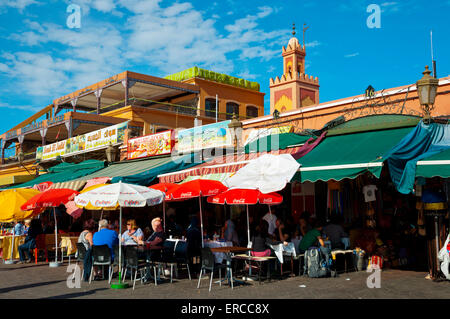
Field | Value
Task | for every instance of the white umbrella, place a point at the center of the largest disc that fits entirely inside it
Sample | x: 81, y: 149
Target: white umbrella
x: 268, y: 173
x: 126, y: 195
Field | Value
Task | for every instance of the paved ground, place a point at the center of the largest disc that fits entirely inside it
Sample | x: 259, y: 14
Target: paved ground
x: 40, y: 281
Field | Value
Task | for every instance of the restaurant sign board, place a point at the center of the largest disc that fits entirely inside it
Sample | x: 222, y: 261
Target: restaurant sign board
x: 83, y: 143
x: 151, y: 145
x: 203, y: 137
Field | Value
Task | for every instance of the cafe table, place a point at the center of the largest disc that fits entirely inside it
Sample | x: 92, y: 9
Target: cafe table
x: 282, y: 250
x: 229, y: 251
x: 219, y: 255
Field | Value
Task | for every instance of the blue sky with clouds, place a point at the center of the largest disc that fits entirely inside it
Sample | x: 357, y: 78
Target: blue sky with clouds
x: 42, y: 59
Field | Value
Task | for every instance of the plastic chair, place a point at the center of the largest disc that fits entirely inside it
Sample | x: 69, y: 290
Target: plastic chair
x: 168, y: 256
x: 101, y: 256
x: 209, y: 264
x: 81, y: 253
x: 116, y: 259
x: 181, y: 255
x: 40, y: 245
x: 132, y: 262
x: 154, y: 259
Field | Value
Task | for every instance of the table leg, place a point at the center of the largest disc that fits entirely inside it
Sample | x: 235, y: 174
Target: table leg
x: 292, y: 266
x: 259, y: 272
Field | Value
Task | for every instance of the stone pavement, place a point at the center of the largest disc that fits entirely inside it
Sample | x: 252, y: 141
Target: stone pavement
x: 40, y: 281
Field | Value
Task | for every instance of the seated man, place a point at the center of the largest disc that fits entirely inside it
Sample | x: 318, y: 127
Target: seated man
x: 30, y: 241
x: 313, y: 238
x: 156, y: 240
x: 194, y: 243
x: 105, y: 236
x: 335, y: 232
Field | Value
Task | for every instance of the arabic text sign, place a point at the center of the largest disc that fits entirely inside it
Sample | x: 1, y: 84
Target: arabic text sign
x: 86, y: 142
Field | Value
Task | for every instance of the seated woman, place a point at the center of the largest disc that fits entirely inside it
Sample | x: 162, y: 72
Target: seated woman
x: 133, y: 235
x: 261, y: 241
x: 86, y: 238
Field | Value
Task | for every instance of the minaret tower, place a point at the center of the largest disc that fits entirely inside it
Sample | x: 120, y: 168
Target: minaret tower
x: 294, y: 89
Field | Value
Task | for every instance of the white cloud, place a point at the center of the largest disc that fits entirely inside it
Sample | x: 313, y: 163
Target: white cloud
x: 390, y: 6
x: 86, y: 58
x: 17, y: 4
x: 168, y: 39
x: 351, y: 55
x: 245, y: 74
x: 21, y: 107
x: 312, y: 44
x: 4, y: 67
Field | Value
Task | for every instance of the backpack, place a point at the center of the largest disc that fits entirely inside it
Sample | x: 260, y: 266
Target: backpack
x: 317, y: 265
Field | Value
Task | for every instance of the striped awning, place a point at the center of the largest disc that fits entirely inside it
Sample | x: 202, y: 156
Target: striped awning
x: 215, y: 177
x: 75, y: 185
x: 220, y: 165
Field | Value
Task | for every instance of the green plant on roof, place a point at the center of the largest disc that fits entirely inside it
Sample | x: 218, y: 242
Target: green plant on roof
x: 213, y: 76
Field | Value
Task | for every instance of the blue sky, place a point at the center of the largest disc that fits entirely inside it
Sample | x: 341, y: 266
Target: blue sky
x: 41, y: 58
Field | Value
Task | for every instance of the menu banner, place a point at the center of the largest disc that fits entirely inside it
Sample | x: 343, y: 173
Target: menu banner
x: 151, y: 145
x: 83, y: 143
x: 203, y: 137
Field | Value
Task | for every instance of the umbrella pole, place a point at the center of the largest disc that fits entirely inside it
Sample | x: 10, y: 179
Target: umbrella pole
x: 120, y: 284
x: 164, y: 214
x: 436, y: 229
x: 120, y: 245
x: 248, y: 243
x: 201, y: 219
x: 55, y: 264
x: 248, y: 228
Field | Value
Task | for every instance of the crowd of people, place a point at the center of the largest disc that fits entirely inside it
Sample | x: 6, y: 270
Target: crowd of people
x: 267, y: 230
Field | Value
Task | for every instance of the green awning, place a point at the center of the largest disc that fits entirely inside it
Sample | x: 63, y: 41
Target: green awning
x: 144, y: 171
x: 436, y: 165
x: 65, y: 172
x: 279, y: 141
x: 347, y: 156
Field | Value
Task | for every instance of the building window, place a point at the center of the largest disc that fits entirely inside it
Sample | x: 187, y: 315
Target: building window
x: 252, y: 111
x: 232, y: 108
x: 210, y: 107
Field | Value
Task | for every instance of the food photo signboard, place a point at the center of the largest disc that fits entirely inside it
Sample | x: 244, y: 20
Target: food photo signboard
x: 151, y: 145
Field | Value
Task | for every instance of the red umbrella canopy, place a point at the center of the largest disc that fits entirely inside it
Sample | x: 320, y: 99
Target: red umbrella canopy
x: 239, y: 196
x: 50, y: 198
x: 167, y: 188
x: 196, y: 188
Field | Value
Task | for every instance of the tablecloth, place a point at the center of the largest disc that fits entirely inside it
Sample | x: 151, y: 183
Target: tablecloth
x: 69, y: 244
x: 5, y: 243
x: 214, y: 244
x: 281, y: 250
